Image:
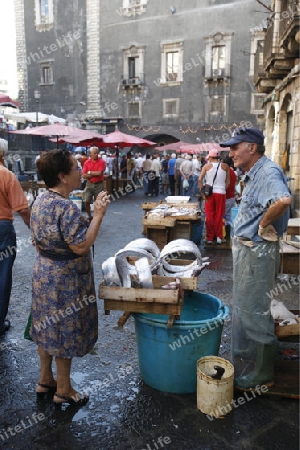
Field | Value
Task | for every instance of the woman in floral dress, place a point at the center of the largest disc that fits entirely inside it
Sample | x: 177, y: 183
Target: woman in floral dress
x: 64, y: 308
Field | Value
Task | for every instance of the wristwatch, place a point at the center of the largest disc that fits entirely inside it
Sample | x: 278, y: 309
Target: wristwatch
x: 89, y: 172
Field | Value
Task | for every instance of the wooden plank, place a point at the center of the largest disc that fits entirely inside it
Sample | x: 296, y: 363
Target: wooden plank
x: 290, y: 262
x: 288, y: 330
x: 123, y: 319
x: 148, y: 205
x: 293, y: 227
x: 138, y: 295
x: 289, y: 248
x: 152, y: 205
x: 163, y: 221
x: 149, y: 308
x: 171, y: 320
x: 286, y: 380
x: 293, y: 230
x: 187, y: 284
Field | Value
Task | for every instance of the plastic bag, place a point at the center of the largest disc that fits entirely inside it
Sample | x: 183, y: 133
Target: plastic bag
x: 185, y: 184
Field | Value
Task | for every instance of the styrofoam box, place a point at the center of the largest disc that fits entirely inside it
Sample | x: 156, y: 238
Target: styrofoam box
x: 177, y: 199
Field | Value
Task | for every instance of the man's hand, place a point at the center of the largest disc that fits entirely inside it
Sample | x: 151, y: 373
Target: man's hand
x: 268, y: 233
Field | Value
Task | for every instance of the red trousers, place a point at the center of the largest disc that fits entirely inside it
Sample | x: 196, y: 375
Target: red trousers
x: 214, y: 212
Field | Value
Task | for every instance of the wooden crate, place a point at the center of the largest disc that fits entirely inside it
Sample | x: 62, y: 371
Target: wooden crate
x: 151, y: 301
x: 170, y: 309
x: 182, y: 230
x: 290, y: 333
x: 159, y: 235
x: 152, y: 221
x: 158, y: 229
x: 289, y: 259
x: 286, y: 380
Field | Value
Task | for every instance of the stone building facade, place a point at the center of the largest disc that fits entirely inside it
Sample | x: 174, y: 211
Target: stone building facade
x: 168, y: 69
x: 51, y: 56
x: 277, y: 80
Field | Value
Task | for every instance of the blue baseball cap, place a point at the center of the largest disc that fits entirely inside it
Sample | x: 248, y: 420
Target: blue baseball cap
x: 244, y: 135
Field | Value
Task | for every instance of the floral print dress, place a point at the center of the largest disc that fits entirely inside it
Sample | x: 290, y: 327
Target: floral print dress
x: 64, y: 306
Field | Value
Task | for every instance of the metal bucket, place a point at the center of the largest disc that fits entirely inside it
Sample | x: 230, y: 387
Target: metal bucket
x: 214, y: 397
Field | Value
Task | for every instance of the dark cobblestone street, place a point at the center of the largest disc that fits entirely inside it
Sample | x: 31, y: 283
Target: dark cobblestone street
x: 125, y: 413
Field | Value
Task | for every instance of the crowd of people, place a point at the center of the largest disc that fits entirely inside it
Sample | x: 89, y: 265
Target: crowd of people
x: 167, y: 174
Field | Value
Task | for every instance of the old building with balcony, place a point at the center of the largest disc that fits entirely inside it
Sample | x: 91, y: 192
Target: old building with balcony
x: 166, y: 70
x: 161, y: 69
x: 276, y: 76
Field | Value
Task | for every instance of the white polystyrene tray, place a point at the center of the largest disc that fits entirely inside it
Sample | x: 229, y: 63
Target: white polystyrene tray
x: 177, y: 199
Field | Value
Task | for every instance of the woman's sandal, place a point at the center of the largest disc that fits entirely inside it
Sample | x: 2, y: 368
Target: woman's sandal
x: 47, y: 390
x: 81, y: 401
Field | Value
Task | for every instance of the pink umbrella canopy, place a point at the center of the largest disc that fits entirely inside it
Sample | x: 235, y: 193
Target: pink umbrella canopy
x: 172, y: 146
x: 62, y: 133
x: 57, y: 129
x: 84, y: 138
x: 201, y: 148
x: 121, y: 140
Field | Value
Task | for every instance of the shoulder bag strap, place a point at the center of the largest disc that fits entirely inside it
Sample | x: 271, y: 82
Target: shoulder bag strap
x: 215, y: 174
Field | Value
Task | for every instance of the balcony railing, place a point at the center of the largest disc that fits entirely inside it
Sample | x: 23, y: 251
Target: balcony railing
x: 289, y: 22
x: 269, y: 47
x: 133, y: 81
x: 288, y: 17
x: 258, y: 67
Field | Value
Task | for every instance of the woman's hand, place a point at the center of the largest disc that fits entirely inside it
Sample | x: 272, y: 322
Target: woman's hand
x: 100, y: 206
x: 101, y: 203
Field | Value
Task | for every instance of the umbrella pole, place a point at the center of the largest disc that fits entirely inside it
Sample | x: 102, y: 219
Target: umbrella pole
x: 117, y: 167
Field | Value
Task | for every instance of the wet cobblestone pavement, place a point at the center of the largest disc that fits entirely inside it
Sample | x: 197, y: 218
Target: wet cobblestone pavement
x: 123, y: 412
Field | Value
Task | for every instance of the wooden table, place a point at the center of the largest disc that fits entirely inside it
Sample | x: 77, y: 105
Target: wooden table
x: 293, y: 227
x: 165, y: 229
x: 290, y: 249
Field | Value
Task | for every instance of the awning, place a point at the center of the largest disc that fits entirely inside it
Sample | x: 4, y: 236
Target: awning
x: 30, y: 117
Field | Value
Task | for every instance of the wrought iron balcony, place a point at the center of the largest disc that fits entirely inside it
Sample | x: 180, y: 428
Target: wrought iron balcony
x: 133, y: 81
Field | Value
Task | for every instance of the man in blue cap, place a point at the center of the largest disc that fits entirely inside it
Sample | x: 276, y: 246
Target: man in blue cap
x: 261, y: 220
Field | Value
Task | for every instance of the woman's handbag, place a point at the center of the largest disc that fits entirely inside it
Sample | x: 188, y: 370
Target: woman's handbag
x: 207, y: 189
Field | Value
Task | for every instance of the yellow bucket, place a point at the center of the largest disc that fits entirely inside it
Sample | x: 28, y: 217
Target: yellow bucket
x: 214, y: 397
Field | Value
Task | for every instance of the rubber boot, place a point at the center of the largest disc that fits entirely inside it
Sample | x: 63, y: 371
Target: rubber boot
x: 247, y: 353
x: 263, y: 372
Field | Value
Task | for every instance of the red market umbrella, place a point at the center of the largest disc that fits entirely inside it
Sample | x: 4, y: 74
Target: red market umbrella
x: 121, y: 140
x: 5, y: 100
x: 84, y: 138
x: 117, y: 140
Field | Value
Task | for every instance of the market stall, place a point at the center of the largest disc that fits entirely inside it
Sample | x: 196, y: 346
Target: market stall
x: 167, y: 221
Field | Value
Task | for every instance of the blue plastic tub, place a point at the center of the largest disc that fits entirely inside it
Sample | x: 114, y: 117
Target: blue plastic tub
x: 168, y: 356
